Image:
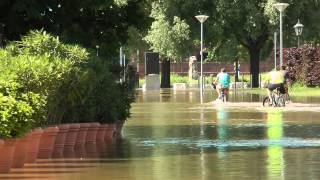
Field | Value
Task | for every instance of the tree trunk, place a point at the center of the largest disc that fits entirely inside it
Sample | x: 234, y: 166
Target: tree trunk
x: 254, y: 65
x: 165, y: 73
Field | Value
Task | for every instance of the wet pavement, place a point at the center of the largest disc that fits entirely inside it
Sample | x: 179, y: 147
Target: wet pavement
x: 171, y: 136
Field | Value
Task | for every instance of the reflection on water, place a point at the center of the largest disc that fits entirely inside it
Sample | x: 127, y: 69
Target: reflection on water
x: 168, y: 138
x: 222, y: 128
x: 275, y: 151
x: 223, y: 143
x: 192, y: 96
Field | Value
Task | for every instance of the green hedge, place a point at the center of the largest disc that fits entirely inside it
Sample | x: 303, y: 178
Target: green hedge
x: 44, y: 81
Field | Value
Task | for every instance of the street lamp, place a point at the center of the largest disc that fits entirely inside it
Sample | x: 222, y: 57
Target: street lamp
x: 298, y: 29
x: 97, y: 48
x: 275, y: 49
x: 281, y: 7
x: 201, y: 19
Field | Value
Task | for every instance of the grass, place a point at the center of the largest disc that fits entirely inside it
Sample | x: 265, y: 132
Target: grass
x: 299, y: 90
x: 295, y: 90
x: 175, y: 78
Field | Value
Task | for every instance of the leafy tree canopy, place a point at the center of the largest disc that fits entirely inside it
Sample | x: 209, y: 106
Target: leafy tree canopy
x: 90, y: 23
x: 237, y: 27
x: 168, y: 36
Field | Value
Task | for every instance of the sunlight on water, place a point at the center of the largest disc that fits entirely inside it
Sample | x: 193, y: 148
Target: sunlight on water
x: 288, y: 142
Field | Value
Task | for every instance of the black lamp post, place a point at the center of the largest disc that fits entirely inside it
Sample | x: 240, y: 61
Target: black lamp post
x: 298, y: 29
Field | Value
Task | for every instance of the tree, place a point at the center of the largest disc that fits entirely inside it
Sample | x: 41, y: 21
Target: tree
x: 248, y: 24
x: 308, y: 13
x: 168, y: 37
x: 102, y: 22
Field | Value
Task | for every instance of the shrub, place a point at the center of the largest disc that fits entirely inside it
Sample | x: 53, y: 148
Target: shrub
x: 38, y: 43
x: 95, y: 95
x: 175, y: 78
x: 61, y: 83
x: 19, y: 111
x: 15, y: 117
x: 304, y: 65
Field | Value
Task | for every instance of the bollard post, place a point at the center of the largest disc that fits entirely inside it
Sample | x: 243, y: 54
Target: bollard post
x: 235, y: 81
x: 242, y: 82
x: 260, y: 80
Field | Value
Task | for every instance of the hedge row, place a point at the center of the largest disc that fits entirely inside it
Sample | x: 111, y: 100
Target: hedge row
x: 44, y: 81
x: 304, y: 64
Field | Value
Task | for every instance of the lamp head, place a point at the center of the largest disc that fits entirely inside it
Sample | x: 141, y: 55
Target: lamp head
x: 281, y: 6
x: 202, y: 18
x: 298, y: 28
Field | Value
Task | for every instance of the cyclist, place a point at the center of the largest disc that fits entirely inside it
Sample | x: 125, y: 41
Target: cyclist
x: 276, y: 79
x: 222, y: 82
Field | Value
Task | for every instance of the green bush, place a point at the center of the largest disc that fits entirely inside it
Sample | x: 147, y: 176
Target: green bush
x: 38, y: 43
x: 52, y: 82
x: 95, y: 95
x: 175, y: 78
x: 19, y: 111
x: 19, y: 115
x: 15, y: 117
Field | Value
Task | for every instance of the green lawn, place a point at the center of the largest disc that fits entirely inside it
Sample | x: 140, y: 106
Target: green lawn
x: 296, y: 90
x: 293, y: 91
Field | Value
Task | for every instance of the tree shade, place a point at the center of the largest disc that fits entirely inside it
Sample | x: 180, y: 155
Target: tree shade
x: 102, y: 22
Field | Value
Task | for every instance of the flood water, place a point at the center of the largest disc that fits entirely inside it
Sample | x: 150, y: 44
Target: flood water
x: 171, y: 136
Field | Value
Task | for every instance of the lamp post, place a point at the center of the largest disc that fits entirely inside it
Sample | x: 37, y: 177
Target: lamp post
x: 97, y: 48
x: 201, y: 19
x: 275, y: 49
x: 298, y: 29
x: 281, y: 7
x: 120, y: 60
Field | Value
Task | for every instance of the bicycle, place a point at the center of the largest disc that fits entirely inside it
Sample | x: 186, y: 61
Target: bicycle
x: 278, y: 99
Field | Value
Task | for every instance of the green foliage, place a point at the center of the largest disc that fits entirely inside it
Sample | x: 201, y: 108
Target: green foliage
x: 40, y: 43
x: 44, y: 81
x: 121, y: 2
x: 85, y: 22
x: 91, y: 94
x: 15, y: 117
x: 229, y: 50
x: 19, y: 112
x: 135, y: 41
x: 169, y: 39
x: 244, y: 29
x: 175, y: 78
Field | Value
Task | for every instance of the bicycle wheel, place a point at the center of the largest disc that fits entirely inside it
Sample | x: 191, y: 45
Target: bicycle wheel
x: 281, y: 102
x: 266, y: 102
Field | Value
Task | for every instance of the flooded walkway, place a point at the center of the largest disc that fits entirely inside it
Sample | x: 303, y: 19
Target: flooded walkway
x: 259, y: 107
x: 171, y: 136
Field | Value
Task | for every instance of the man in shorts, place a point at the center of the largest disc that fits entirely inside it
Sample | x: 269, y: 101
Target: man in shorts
x: 276, y: 79
x: 223, y: 82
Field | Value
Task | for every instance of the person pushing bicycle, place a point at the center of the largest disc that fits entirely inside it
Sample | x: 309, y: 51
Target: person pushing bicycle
x: 276, y: 80
x: 222, y: 82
